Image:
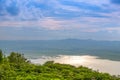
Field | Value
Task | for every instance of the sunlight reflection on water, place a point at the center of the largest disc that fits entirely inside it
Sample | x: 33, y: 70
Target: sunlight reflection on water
x: 103, y: 65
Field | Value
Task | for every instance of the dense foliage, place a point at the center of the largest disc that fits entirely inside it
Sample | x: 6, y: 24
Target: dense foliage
x: 17, y: 67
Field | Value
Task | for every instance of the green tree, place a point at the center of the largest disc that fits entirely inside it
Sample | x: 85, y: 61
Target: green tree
x: 16, y: 58
x: 1, y: 56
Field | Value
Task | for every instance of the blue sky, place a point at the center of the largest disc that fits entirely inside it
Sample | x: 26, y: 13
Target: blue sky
x: 59, y: 19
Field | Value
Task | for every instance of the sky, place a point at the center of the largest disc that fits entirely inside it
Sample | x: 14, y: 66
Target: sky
x: 59, y: 19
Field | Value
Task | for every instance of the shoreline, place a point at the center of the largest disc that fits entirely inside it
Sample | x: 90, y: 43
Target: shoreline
x: 93, y: 62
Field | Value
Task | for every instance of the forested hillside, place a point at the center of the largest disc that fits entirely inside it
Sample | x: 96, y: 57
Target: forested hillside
x: 17, y: 67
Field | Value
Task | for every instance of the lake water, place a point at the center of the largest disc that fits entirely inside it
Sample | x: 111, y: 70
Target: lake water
x: 102, y: 56
x: 103, y: 65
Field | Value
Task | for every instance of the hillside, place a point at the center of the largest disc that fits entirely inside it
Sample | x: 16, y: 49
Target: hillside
x: 17, y: 67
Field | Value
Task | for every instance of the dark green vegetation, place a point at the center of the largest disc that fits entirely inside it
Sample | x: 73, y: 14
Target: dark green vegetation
x: 17, y: 67
x: 102, y: 49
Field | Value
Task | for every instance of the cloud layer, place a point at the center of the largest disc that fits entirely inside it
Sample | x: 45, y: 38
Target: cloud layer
x: 58, y: 19
x: 115, y: 1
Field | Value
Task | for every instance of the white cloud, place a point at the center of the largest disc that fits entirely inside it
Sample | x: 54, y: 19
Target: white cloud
x: 34, y: 17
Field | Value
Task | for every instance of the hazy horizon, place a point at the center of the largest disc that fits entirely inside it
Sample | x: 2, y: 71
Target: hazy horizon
x: 58, y: 39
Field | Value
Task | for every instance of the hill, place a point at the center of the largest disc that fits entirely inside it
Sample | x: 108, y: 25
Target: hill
x: 17, y: 67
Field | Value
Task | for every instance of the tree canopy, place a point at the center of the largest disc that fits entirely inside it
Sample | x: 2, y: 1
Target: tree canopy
x: 1, y: 56
x: 17, y: 67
